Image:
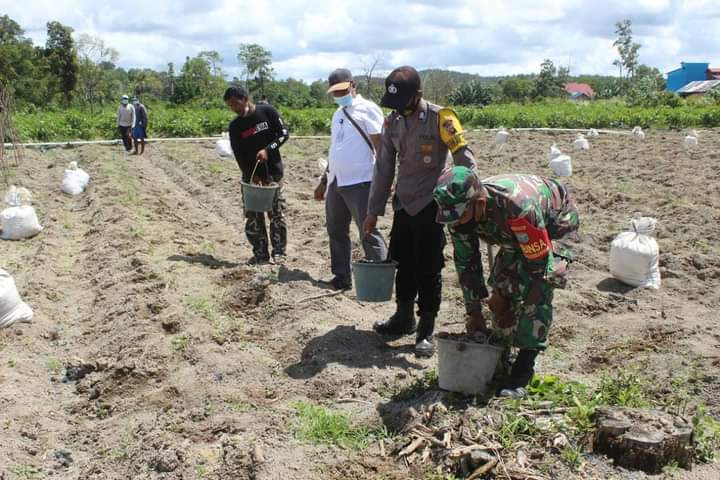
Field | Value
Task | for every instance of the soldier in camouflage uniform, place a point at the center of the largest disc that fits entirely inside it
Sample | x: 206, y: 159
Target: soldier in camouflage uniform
x: 525, y: 215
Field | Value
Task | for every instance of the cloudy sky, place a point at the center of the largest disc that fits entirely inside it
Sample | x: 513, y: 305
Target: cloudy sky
x: 310, y: 38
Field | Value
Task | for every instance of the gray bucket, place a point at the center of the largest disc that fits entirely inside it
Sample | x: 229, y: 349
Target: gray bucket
x: 258, y: 198
x: 466, y: 367
x: 374, y: 280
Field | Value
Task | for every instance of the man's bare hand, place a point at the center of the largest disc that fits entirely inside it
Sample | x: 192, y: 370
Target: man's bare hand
x: 475, y: 323
x: 319, y: 193
x: 502, y: 310
x: 370, y: 224
x: 261, y: 156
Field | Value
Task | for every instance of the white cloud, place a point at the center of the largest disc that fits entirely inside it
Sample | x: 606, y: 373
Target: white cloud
x: 309, y: 39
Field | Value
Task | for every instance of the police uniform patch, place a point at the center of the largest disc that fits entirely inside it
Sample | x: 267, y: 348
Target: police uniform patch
x: 451, y: 131
x: 448, y: 125
x: 427, y: 159
x: 534, y: 242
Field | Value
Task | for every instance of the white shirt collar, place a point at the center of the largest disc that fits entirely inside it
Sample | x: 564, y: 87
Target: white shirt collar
x: 356, y: 99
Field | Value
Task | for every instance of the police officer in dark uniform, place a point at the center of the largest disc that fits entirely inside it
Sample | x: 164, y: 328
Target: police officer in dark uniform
x: 416, y: 139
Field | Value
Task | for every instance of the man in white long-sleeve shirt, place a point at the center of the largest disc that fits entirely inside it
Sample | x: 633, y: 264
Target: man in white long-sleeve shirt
x: 126, y: 121
x: 355, y: 131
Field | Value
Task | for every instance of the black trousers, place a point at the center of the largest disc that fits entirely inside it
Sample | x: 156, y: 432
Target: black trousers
x: 417, y: 243
x: 125, y: 133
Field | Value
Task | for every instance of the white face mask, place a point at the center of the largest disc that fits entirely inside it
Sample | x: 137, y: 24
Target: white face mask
x: 124, y: 102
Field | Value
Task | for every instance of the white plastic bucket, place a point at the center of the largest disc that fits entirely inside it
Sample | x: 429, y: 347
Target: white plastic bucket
x: 466, y: 367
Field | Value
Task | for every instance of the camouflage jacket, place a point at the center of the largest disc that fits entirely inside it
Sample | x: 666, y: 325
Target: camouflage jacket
x: 524, y: 213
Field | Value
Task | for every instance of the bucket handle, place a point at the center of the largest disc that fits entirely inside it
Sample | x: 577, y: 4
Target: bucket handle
x: 257, y: 162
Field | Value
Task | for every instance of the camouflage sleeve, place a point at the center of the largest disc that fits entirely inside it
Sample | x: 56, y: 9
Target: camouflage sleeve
x: 468, y: 264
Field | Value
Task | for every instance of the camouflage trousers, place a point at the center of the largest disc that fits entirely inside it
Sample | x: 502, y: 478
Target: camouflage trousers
x: 256, y: 231
x: 533, y: 320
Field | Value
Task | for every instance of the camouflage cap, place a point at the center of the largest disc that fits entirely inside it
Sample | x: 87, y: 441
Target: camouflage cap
x: 455, y: 187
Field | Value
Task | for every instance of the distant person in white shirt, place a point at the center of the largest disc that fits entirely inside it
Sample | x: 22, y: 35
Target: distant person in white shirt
x: 345, y: 186
x: 126, y: 121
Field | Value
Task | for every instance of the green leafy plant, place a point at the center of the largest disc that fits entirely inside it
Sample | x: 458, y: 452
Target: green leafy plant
x: 572, y: 456
x: 707, y: 436
x: 514, y: 427
x: 194, y: 120
x: 625, y: 388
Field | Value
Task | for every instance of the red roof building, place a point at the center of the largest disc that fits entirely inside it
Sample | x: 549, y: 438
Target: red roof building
x: 578, y: 90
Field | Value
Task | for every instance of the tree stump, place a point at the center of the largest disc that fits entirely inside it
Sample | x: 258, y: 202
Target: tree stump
x: 641, y: 439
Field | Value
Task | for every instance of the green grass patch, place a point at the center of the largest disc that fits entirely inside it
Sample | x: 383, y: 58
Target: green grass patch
x: 26, y: 472
x: 54, y: 365
x: 216, y: 168
x: 182, y: 341
x: 320, y: 425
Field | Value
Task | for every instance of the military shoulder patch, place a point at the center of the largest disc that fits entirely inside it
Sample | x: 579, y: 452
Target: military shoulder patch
x: 451, y: 132
x: 534, y: 242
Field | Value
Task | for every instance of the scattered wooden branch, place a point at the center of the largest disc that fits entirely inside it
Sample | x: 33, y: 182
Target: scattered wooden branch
x: 483, y: 470
x: 414, y: 445
x: 353, y: 400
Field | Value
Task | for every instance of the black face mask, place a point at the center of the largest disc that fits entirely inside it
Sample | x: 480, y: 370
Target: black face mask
x: 410, y: 109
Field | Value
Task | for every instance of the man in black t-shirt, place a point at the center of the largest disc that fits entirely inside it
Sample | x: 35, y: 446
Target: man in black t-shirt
x: 255, y: 136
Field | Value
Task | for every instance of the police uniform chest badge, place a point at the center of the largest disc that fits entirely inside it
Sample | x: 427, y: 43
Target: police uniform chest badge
x: 392, y: 89
x: 427, y: 159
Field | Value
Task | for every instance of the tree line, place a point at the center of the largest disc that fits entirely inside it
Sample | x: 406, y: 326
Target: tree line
x: 82, y: 71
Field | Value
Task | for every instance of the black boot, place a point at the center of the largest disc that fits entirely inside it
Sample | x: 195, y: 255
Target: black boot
x: 521, y: 373
x: 402, y: 322
x: 424, y: 346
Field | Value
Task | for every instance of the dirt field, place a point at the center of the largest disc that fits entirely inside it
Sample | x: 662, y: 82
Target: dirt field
x: 155, y: 353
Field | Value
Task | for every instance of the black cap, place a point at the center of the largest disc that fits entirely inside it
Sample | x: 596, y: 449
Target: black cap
x: 235, y: 92
x: 340, y: 79
x: 400, y: 87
